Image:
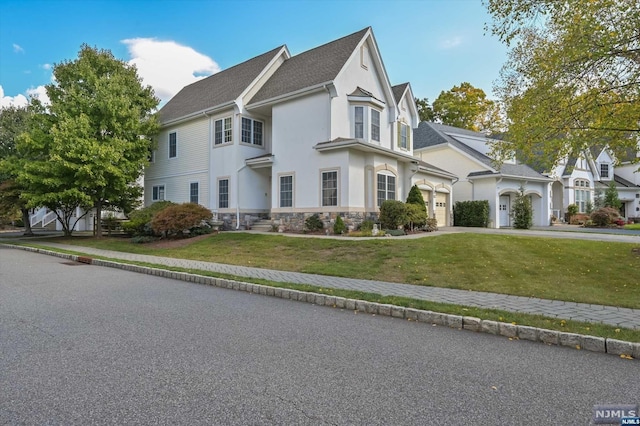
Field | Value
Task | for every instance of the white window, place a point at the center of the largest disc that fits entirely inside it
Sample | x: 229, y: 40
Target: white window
x: 404, y: 136
x: 375, y: 125
x: 223, y: 193
x: 173, y: 145
x: 582, y: 194
x: 386, y: 188
x: 364, y: 57
x: 193, y: 192
x: 152, y: 156
x: 330, y: 188
x: 604, y: 170
x: 158, y: 193
x: 286, y: 191
x: 252, y: 131
x: 359, y: 122
x: 222, y: 132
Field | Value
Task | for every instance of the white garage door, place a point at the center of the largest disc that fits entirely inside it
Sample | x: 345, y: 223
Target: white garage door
x: 441, y: 208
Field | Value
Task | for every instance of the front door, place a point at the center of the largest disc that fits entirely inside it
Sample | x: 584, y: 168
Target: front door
x: 503, y: 207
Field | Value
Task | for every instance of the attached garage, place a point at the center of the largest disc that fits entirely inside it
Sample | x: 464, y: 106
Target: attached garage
x: 440, y: 209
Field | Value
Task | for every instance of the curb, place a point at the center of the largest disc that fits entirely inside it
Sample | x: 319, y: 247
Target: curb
x: 512, y: 331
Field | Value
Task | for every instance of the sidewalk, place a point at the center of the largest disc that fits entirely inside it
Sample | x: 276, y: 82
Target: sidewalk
x: 621, y: 317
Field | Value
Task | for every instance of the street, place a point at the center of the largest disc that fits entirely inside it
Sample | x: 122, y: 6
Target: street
x: 83, y: 344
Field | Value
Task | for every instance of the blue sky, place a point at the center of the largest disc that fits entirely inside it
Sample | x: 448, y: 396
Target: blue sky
x: 434, y: 44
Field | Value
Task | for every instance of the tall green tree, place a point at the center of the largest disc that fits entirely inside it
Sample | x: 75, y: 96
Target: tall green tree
x: 425, y: 111
x: 464, y: 106
x: 611, y: 198
x: 13, y: 122
x: 522, y: 211
x: 572, y: 77
x: 93, y: 142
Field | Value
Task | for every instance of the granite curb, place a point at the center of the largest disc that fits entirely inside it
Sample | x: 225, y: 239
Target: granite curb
x: 511, y: 331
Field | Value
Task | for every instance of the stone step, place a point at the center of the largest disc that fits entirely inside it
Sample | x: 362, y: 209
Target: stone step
x: 263, y: 225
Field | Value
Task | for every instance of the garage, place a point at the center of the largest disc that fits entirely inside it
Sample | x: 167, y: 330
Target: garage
x: 440, y: 209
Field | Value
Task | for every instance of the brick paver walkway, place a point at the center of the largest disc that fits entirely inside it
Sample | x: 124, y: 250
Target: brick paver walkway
x: 622, y: 317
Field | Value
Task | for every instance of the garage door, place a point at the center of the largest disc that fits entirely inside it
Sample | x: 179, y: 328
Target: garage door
x: 426, y: 195
x: 441, y: 208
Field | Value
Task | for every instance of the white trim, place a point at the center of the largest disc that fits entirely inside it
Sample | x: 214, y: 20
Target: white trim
x: 177, y: 174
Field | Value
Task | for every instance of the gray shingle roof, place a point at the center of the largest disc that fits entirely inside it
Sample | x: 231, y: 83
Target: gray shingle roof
x: 623, y: 182
x: 217, y: 89
x: 432, y: 134
x: 398, y: 91
x: 315, y: 66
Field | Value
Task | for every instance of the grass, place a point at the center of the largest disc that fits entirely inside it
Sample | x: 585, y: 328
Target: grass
x: 595, y: 272
x: 578, y: 327
x: 633, y: 226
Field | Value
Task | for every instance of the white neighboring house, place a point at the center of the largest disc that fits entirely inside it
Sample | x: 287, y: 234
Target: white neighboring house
x: 465, y: 153
x: 283, y: 137
x: 627, y: 173
x: 578, y: 178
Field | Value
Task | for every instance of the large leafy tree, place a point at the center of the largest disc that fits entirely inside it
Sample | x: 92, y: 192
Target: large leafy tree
x: 572, y: 78
x: 93, y: 142
x: 425, y: 111
x: 13, y: 122
x: 464, y: 106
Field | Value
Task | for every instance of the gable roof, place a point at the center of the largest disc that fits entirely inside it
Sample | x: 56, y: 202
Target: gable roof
x: 398, y: 91
x: 217, y: 89
x: 313, y: 67
x: 433, y: 134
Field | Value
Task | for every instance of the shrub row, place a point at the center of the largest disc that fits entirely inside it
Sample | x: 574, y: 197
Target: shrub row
x: 471, y: 213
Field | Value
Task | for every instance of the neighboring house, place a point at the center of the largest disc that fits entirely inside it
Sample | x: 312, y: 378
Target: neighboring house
x: 578, y: 179
x: 283, y: 137
x: 623, y: 174
x: 465, y: 153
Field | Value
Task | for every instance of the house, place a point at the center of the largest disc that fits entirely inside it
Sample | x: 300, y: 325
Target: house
x: 282, y: 137
x: 466, y: 154
x: 580, y: 178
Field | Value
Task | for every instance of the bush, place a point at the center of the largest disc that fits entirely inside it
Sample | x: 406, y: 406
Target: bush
x: 393, y: 214
x: 416, y: 216
x: 572, y: 210
x: 366, y: 226
x: 432, y: 224
x: 176, y: 219
x: 395, y: 232
x: 313, y: 223
x: 605, y: 216
x: 143, y: 239
x: 521, y: 211
x: 140, y: 220
x: 471, y: 213
x: 339, y: 226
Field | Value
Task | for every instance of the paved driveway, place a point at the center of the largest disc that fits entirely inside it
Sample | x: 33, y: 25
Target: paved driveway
x: 82, y: 344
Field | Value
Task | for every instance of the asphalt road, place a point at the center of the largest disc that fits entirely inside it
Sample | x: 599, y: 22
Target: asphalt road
x: 82, y: 345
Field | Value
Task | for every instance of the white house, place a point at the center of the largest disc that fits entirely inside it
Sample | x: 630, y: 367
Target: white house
x: 577, y: 179
x: 465, y: 153
x: 282, y: 137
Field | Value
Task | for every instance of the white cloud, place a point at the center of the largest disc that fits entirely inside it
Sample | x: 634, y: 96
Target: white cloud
x: 46, y: 66
x: 168, y: 66
x: 40, y: 93
x: 21, y: 100
x: 17, y: 48
x: 7, y: 101
x: 450, y: 43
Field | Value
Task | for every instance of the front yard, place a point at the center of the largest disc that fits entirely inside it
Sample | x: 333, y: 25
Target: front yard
x: 570, y: 270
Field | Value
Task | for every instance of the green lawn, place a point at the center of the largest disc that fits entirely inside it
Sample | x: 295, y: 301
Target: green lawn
x: 633, y: 226
x: 570, y: 270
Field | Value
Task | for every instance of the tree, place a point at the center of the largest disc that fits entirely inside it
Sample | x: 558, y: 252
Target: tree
x: 464, y: 106
x: 416, y: 208
x: 425, y: 112
x: 93, y: 142
x: 522, y: 212
x: 13, y: 122
x: 393, y: 214
x: 611, y: 197
x: 572, y: 78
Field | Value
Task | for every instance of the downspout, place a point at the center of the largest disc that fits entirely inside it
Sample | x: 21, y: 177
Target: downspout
x: 238, y: 196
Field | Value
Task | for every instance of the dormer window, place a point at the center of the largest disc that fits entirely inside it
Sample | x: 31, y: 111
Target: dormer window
x: 604, y: 170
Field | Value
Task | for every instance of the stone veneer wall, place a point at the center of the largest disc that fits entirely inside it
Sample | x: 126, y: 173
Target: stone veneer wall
x: 294, y: 222
x: 229, y: 220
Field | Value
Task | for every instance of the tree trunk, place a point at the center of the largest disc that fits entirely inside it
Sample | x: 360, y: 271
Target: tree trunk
x: 27, y: 222
x: 99, y: 219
